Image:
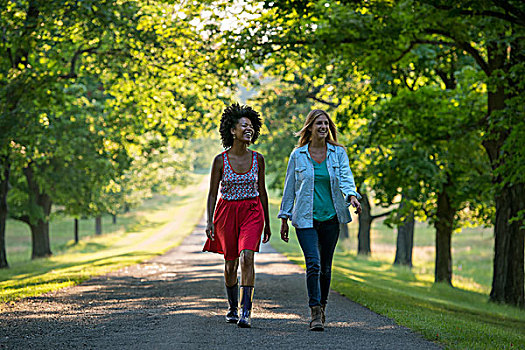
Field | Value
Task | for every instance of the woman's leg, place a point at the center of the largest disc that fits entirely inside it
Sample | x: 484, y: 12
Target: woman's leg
x: 251, y: 218
x: 232, y: 289
x: 247, y: 268
x: 247, y: 286
x: 308, y: 239
x: 230, y: 272
x: 328, y: 236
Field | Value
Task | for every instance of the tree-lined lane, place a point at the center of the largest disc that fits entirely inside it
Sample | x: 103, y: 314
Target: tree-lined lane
x: 177, y: 301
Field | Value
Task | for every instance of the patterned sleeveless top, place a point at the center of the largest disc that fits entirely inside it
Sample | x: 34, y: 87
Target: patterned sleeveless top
x: 235, y: 186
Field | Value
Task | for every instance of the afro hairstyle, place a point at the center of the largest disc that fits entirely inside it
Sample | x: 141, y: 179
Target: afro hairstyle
x: 229, y: 119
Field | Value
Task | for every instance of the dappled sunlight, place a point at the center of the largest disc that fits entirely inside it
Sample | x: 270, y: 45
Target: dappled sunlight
x: 472, y: 253
x: 470, y: 285
x: 101, y: 254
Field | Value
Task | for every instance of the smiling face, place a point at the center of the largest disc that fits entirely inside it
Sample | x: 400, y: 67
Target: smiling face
x: 243, y: 130
x: 320, y: 127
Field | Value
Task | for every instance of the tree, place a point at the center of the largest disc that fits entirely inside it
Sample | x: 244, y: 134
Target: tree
x: 433, y: 159
x: 405, y: 235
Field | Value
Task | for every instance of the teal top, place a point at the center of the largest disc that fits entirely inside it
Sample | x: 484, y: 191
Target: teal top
x: 323, y: 204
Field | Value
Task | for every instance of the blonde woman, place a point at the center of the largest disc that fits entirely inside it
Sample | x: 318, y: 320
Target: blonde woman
x: 318, y: 189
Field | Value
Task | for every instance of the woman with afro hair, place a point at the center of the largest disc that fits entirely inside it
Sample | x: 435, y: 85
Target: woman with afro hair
x: 235, y: 226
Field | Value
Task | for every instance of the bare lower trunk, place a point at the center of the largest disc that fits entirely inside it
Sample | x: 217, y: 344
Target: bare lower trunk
x: 40, y: 238
x: 444, y: 226
x: 405, y: 239
x: 98, y: 225
x: 507, y: 282
x: 365, y: 223
x: 38, y: 202
x: 114, y: 218
x: 5, y: 166
x: 76, y: 230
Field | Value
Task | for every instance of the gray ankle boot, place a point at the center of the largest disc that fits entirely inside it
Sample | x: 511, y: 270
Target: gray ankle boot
x: 315, y: 323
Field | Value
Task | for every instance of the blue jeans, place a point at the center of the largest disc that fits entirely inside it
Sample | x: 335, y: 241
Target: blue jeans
x: 318, y: 245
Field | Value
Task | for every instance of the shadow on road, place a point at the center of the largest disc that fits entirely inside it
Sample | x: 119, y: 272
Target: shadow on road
x: 177, y: 301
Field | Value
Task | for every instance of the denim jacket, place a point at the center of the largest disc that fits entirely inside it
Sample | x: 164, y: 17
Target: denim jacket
x: 298, y: 195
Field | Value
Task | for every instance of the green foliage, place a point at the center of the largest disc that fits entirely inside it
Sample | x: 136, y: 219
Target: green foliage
x: 419, y: 141
x: 85, y: 85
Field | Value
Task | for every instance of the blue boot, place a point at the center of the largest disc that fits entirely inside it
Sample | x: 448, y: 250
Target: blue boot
x: 233, y: 300
x: 246, y: 307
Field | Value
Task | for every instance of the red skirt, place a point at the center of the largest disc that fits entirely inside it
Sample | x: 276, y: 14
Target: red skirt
x: 238, y: 226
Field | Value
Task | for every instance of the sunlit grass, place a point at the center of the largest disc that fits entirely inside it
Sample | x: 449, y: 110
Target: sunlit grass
x: 139, y: 235
x: 459, y: 317
x: 472, y: 253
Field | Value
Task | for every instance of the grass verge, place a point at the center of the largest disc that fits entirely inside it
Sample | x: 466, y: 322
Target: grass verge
x: 457, y: 318
x: 157, y: 226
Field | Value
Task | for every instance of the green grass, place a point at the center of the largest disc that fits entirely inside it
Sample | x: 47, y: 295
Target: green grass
x: 458, y: 317
x: 138, y: 236
x: 472, y: 252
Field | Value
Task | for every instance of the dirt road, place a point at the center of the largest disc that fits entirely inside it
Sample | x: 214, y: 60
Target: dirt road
x: 177, y: 301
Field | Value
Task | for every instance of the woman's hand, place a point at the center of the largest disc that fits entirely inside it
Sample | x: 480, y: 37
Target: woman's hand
x: 284, y: 230
x: 355, y: 203
x: 210, y: 231
x: 267, y: 233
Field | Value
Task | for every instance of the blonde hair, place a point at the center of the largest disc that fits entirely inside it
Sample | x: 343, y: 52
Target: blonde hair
x: 305, y: 134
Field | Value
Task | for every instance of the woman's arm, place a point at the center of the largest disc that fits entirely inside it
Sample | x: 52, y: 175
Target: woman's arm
x: 263, y: 195
x: 215, y: 178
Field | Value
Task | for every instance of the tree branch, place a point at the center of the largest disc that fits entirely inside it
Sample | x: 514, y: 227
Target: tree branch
x: 381, y: 215
x: 404, y: 80
x: 464, y: 46
x: 23, y: 218
x: 448, y: 81
x: 420, y: 41
x: 328, y: 103
x: 509, y: 8
x: 72, y: 74
x: 404, y: 53
x: 487, y: 13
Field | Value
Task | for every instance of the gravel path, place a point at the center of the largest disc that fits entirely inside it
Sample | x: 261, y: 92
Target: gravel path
x: 177, y: 301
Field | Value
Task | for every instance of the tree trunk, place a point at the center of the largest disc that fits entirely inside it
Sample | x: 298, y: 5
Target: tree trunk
x: 365, y: 223
x: 76, y: 231
x: 444, y: 226
x: 5, y: 166
x: 508, y: 277
x: 405, y: 238
x: 507, y: 282
x: 41, y: 203
x: 114, y: 218
x: 40, y: 239
x: 98, y: 225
